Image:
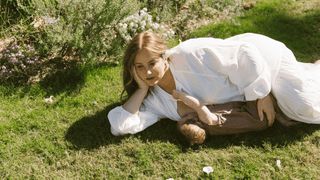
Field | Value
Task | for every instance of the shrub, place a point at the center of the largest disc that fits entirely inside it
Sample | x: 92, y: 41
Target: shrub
x: 139, y: 22
x: 18, y: 63
x: 163, y: 11
x: 76, y: 28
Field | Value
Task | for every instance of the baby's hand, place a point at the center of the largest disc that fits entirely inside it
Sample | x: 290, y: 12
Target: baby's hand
x: 176, y: 94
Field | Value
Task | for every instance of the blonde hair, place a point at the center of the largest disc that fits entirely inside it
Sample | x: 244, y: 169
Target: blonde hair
x: 147, y: 40
x: 193, y: 131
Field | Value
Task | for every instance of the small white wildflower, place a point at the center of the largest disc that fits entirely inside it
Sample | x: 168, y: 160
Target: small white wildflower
x: 170, y: 179
x: 142, y: 27
x: 131, y: 24
x: 157, y: 18
x: 279, y: 164
x: 3, y: 67
x: 143, y: 23
x: 144, y: 9
x: 125, y: 26
x: 208, y: 169
x: 128, y: 38
x: 161, y: 27
x: 165, y: 35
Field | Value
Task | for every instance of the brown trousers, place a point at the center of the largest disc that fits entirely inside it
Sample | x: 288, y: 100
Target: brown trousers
x: 238, y: 117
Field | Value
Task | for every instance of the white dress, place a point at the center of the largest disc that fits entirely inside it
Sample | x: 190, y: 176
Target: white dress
x: 240, y: 68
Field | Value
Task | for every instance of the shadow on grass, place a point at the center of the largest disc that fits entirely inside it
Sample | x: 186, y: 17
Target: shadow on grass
x: 91, y: 132
x: 277, y: 135
x: 64, y: 81
x: 94, y: 131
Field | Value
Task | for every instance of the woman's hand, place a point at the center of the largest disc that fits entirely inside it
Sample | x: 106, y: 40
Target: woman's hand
x: 142, y: 84
x: 265, y: 105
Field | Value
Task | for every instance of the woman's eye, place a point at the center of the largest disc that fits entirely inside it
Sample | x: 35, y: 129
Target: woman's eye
x: 152, y: 64
x: 139, y: 67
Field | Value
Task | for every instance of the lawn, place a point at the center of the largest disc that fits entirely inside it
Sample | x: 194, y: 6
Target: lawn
x: 70, y: 138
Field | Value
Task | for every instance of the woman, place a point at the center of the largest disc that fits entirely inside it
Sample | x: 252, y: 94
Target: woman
x: 242, y: 68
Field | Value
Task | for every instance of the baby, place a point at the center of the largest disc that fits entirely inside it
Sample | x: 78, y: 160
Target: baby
x: 221, y: 119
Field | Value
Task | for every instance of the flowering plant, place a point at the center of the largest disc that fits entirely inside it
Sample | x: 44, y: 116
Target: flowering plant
x: 139, y: 22
x: 17, y: 60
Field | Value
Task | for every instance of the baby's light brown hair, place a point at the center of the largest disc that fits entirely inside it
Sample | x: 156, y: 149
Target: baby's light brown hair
x: 192, y: 129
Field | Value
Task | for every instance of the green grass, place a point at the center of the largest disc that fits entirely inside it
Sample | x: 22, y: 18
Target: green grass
x: 70, y: 138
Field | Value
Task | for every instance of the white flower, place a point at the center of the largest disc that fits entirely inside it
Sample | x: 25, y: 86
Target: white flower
x: 144, y: 9
x: 155, y: 25
x: 279, y: 164
x: 208, y: 169
x: 157, y: 18
x: 3, y: 67
x: 161, y: 27
x: 128, y: 38
x: 171, y: 32
x: 142, y: 27
x: 143, y: 23
x: 170, y: 179
x: 165, y: 35
x: 131, y: 24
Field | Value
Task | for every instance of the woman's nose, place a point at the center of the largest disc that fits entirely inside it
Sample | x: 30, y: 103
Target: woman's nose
x: 148, y: 71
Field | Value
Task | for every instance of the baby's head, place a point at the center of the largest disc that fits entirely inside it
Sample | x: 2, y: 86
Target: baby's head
x: 191, y: 127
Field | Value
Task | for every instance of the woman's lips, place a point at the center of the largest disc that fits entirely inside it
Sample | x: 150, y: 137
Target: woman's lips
x: 150, y: 78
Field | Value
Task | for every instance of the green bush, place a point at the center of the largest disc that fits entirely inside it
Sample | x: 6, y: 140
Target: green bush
x: 77, y: 28
x: 163, y: 11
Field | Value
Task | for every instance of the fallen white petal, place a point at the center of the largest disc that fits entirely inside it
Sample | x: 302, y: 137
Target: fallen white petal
x: 49, y: 100
x: 208, y: 169
x: 279, y: 164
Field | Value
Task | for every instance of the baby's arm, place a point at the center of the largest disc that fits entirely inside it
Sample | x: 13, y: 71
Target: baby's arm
x: 203, y: 112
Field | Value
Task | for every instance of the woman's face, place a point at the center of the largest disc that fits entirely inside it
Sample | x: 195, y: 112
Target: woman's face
x: 151, y: 70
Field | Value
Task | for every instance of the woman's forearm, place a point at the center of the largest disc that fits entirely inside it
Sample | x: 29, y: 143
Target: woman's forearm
x: 135, y: 101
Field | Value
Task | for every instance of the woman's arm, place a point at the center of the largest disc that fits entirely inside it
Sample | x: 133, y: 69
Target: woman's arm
x: 203, y: 112
x: 265, y: 105
x: 135, y: 101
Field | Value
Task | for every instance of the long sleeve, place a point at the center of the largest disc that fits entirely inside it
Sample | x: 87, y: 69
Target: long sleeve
x: 123, y: 122
x: 157, y: 105
x: 216, y: 71
x: 250, y: 73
